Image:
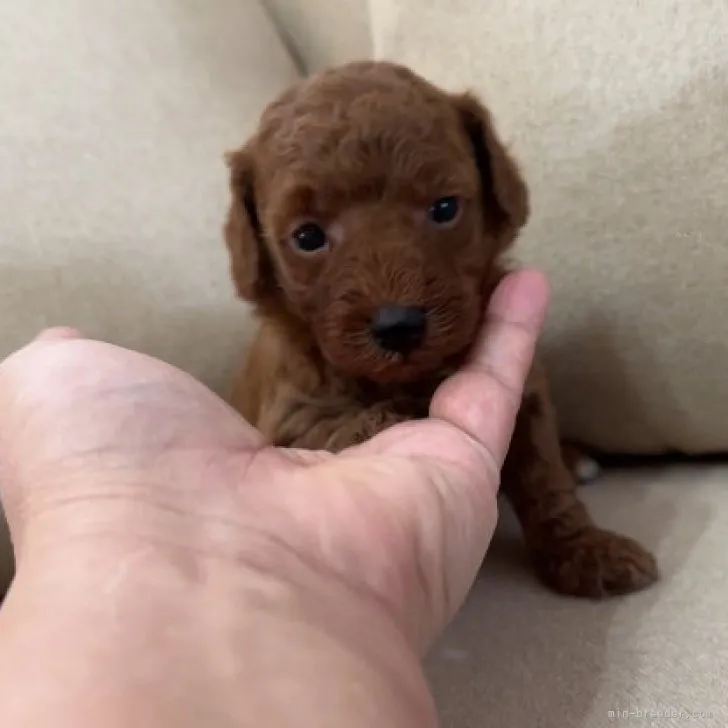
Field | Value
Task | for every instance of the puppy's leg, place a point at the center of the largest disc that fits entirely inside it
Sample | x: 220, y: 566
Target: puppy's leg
x: 569, y: 552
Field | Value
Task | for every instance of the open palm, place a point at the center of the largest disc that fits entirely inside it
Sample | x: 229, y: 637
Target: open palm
x: 111, y: 446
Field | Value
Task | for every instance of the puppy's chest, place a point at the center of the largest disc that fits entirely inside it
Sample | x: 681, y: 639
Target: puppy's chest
x: 411, y: 400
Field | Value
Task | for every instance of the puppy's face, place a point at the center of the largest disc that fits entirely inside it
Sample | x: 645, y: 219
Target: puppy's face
x: 372, y: 207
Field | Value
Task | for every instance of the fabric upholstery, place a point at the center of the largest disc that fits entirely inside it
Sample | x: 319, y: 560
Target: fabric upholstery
x: 115, y: 118
x: 519, y: 656
x: 617, y: 112
x: 116, y: 114
x: 321, y: 33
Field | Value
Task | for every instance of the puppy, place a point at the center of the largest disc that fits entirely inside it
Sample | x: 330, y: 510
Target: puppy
x: 369, y: 218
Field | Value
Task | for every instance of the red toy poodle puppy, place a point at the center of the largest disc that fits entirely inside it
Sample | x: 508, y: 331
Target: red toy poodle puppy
x: 369, y: 219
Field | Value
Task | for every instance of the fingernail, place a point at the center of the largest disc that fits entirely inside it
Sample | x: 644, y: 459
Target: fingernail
x: 58, y: 333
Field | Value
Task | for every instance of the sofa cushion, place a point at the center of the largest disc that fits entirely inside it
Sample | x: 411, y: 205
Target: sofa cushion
x: 519, y: 655
x: 115, y: 118
x: 617, y: 112
x: 323, y: 33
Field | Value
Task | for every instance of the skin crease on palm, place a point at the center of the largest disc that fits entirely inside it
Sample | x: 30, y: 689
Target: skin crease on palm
x: 104, y: 450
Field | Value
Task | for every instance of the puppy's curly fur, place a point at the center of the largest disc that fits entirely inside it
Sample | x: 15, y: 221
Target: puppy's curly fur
x: 369, y: 195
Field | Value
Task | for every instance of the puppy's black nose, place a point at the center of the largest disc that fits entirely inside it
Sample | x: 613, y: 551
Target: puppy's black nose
x: 399, y: 329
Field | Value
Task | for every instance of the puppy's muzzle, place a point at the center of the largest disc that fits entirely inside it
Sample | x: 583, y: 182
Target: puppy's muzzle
x: 399, y: 329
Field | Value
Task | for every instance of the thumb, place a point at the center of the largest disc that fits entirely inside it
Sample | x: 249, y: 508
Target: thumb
x: 457, y: 453
x: 483, y: 398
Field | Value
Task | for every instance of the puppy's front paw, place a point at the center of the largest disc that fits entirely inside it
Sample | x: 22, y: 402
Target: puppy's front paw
x: 596, y: 564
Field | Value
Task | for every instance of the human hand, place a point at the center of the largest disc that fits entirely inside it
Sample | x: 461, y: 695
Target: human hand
x: 107, y: 450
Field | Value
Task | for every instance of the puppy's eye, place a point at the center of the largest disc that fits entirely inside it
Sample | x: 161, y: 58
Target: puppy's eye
x: 444, y: 210
x: 309, y: 238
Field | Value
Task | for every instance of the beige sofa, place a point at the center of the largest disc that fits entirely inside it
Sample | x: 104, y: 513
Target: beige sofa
x: 115, y: 117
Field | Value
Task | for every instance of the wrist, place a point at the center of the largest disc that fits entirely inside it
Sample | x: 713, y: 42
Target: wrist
x: 270, y: 637
x: 342, y: 653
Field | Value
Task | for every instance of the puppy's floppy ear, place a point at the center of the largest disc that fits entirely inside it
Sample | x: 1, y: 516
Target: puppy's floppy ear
x: 250, y: 263
x: 505, y: 195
